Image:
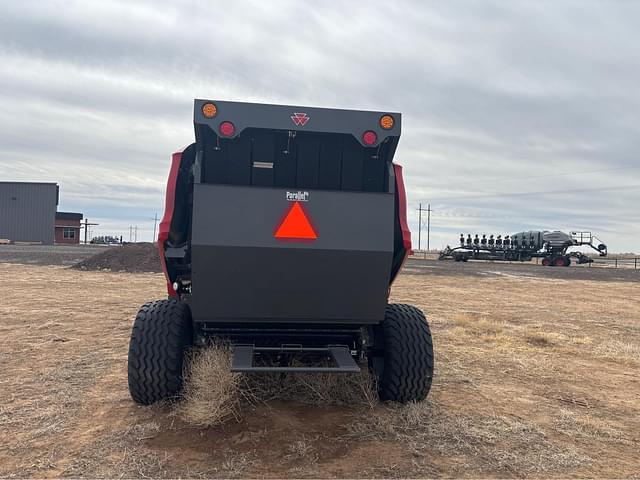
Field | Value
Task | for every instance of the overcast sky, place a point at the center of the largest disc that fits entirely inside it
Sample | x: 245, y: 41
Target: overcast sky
x: 516, y: 115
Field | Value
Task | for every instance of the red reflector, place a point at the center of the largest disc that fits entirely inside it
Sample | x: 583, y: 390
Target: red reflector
x: 227, y: 129
x: 369, y: 137
x: 296, y: 225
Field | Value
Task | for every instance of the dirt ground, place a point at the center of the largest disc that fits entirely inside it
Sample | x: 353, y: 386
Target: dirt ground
x: 132, y: 258
x: 535, y: 377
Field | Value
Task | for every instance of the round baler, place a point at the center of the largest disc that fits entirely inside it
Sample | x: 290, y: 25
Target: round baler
x: 283, y: 230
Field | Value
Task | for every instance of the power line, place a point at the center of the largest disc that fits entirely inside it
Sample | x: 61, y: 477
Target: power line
x: 155, y: 223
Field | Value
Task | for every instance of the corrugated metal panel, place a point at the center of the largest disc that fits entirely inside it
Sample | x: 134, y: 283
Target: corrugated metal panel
x: 28, y: 211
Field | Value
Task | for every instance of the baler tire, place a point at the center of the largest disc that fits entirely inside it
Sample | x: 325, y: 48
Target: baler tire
x: 161, y: 332
x: 408, y: 355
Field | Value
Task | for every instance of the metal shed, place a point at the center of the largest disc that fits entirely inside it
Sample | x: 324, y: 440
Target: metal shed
x: 28, y: 211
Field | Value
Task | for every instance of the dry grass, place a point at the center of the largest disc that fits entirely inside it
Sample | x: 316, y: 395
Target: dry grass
x: 579, y: 425
x: 503, y: 443
x: 214, y: 395
x: 211, y: 394
x: 527, y: 384
x: 619, y: 350
x: 313, y: 389
x: 234, y: 465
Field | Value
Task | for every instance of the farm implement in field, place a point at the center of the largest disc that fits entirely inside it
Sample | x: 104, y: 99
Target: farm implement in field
x: 554, y: 248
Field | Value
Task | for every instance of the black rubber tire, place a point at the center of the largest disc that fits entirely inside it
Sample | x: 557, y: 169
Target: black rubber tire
x: 161, y: 332
x: 406, y: 370
x: 567, y: 261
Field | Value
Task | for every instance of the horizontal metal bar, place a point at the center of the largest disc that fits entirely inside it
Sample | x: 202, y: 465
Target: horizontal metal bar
x: 294, y: 370
x: 292, y: 349
x: 242, y: 360
x: 223, y: 328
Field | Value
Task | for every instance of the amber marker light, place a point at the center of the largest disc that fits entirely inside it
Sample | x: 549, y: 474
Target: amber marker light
x: 386, y: 122
x: 209, y: 110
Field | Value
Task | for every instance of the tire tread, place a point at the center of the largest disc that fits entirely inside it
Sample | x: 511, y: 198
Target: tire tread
x: 408, y: 354
x: 161, y: 331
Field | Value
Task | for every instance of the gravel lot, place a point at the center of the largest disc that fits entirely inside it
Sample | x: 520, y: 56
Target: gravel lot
x: 65, y: 255
x: 523, y: 270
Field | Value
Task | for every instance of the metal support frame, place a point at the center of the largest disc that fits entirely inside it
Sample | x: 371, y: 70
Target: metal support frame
x: 243, y: 359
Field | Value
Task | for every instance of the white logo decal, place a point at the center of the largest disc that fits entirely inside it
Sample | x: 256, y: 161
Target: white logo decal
x: 298, y: 196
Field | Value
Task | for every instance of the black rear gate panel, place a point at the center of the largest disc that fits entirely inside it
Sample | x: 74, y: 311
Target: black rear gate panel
x: 241, y: 272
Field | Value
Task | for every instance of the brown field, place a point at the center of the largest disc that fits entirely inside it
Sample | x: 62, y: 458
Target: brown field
x: 535, y: 377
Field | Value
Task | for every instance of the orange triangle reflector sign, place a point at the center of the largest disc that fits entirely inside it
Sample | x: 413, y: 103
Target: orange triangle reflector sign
x: 296, y: 225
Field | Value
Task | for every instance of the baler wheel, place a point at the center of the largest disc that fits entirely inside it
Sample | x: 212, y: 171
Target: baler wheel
x: 546, y: 262
x: 407, y: 367
x: 567, y: 261
x: 161, y: 332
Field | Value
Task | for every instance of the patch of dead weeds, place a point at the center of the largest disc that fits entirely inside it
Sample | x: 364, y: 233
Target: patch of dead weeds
x: 502, y: 442
x: 213, y: 394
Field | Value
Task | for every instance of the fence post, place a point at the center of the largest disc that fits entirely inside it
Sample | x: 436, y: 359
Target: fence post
x: 616, y: 263
x: 635, y: 263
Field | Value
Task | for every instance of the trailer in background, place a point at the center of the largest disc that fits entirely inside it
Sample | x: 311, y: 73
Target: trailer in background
x: 552, y: 247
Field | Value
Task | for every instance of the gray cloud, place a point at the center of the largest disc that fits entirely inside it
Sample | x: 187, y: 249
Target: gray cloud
x: 516, y: 114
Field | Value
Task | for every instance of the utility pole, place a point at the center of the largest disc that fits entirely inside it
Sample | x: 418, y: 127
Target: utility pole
x: 86, y: 225
x: 419, y: 223
x: 130, y: 233
x: 135, y: 234
x: 428, y: 223
x: 155, y: 223
x: 428, y: 210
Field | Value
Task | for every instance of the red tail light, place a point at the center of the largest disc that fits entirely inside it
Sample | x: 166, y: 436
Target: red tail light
x: 369, y: 137
x: 227, y: 129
